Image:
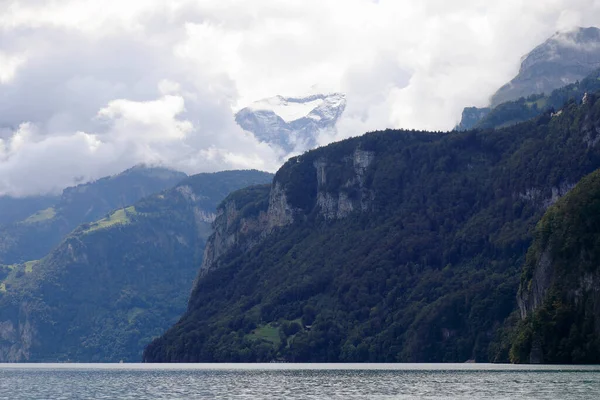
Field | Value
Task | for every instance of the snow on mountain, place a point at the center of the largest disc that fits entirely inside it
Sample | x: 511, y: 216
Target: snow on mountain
x: 292, y: 123
x: 288, y: 109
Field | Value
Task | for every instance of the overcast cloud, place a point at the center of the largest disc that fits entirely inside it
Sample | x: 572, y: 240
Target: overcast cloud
x: 91, y: 87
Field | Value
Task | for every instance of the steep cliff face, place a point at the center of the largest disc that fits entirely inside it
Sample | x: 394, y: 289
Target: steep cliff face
x: 559, y: 295
x: 470, y: 117
x: 236, y: 226
x: 352, y: 195
x: 17, y: 336
x: 247, y: 217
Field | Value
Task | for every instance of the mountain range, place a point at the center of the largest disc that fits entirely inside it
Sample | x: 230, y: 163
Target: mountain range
x: 34, y: 235
x: 292, y: 124
x: 396, y: 246
x: 114, y: 283
x: 564, y: 58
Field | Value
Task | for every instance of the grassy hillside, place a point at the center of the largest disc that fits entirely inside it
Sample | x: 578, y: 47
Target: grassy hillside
x: 33, y: 236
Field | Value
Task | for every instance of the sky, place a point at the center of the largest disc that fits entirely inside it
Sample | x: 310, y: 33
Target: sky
x: 89, y: 88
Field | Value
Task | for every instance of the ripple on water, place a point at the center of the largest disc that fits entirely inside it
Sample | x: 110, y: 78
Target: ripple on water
x: 297, y: 382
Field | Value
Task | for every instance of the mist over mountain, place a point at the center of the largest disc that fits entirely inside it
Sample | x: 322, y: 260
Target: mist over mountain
x: 565, y: 58
x: 382, y: 237
x: 292, y: 123
x: 33, y: 236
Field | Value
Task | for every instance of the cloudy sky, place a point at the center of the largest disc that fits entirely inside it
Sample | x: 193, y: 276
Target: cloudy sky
x: 89, y: 88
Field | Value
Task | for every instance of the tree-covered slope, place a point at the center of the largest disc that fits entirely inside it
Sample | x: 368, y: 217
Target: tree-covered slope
x: 558, y: 297
x: 34, y: 236
x: 523, y: 109
x: 113, y: 284
x: 394, y: 246
x: 14, y: 209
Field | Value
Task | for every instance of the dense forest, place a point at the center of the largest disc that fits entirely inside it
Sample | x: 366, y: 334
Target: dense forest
x: 34, y: 235
x: 114, y: 284
x: 558, y: 295
x: 422, y: 265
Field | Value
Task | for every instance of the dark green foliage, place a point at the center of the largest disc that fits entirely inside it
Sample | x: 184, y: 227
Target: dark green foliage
x: 428, y: 274
x: 253, y: 199
x: 32, y: 238
x: 14, y: 209
x: 106, y: 292
x: 564, y: 262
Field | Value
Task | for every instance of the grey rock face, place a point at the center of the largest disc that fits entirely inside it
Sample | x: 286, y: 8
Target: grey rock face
x: 235, y: 232
x: 529, y: 299
x: 292, y: 123
x: 470, y: 117
x: 563, y: 59
x: 352, y: 196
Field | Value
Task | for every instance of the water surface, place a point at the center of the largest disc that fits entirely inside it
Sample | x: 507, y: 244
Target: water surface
x: 297, y: 381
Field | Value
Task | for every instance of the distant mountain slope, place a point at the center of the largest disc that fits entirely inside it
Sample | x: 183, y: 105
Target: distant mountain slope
x: 292, y: 123
x: 514, y: 112
x: 113, y: 284
x: 14, y: 209
x: 564, y: 58
x: 559, y: 298
x: 33, y: 237
x: 394, y: 246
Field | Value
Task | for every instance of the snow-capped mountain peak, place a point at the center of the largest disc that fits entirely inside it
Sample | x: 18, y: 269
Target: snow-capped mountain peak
x: 289, y: 109
x: 292, y: 123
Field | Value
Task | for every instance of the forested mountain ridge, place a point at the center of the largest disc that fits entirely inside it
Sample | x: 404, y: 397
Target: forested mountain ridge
x: 34, y: 236
x: 113, y: 284
x: 523, y: 109
x: 14, y: 209
x: 394, y: 246
x: 558, y: 297
x: 565, y: 58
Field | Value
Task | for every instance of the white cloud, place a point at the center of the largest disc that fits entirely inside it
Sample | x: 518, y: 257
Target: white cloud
x: 9, y: 65
x: 90, y: 87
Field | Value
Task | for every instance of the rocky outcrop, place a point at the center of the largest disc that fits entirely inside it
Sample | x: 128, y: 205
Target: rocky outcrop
x: 559, y: 295
x: 280, y: 212
x: 530, y: 298
x: 544, y: 198
x: 237, y: 231
x: 17, y: 336
x: 234, y: 229
x: 353, y: 195
x: 470, y: 117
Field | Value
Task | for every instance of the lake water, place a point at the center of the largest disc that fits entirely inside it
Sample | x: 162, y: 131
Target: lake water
x: 297, y: 381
